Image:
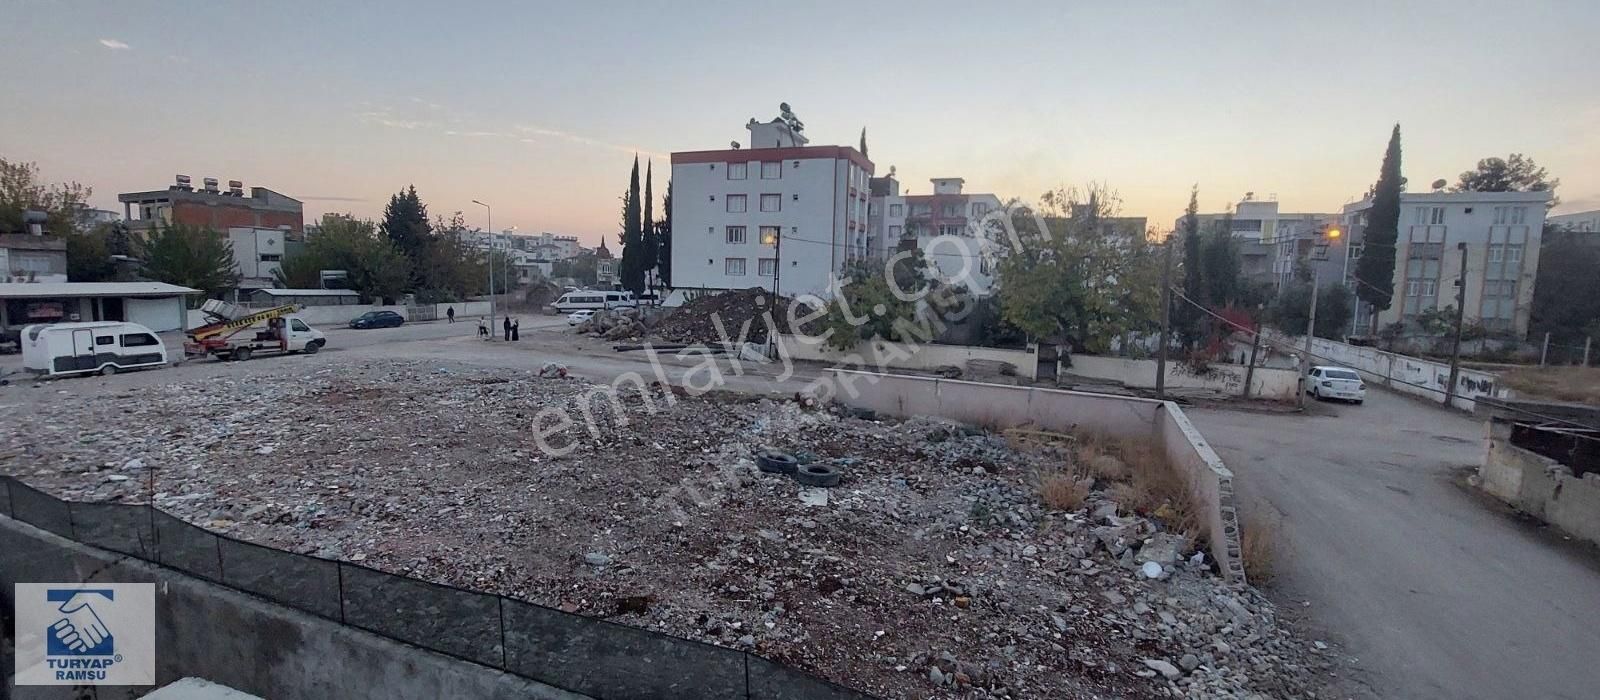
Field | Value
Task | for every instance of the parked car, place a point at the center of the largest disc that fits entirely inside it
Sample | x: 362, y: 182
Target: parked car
x: 1336, y: 383
x: 579, y: 316
x: 377, y: 319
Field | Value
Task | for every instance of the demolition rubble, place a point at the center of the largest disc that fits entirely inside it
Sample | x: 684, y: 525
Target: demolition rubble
x: 934, y: 569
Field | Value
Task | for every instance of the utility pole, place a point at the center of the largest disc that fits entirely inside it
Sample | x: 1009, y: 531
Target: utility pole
x: 1461, y: 310
x: 1166, y: 319
x: 1544, y: 350
x: 490, y: 213
x: 1250, y: 369
x: 1311, y: 329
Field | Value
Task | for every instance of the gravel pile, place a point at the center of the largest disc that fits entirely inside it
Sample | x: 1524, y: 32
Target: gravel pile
x: 933, y: 570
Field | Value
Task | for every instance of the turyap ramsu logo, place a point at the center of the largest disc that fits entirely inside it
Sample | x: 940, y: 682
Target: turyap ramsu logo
x: 85, y: 634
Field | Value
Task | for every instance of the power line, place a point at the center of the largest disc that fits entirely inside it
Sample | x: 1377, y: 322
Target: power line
x: 1487, y: 400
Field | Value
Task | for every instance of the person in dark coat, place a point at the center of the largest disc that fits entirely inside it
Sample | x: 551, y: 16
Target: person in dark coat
x: 516, y: 329
x: 507, y: 327
x: 451, y: 312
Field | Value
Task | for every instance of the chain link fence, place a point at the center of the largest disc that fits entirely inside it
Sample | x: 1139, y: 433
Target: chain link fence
x: 580, y: 654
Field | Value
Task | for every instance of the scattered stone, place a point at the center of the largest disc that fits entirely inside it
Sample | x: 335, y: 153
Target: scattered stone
x: 1162, y: 667
x: 596, y: 559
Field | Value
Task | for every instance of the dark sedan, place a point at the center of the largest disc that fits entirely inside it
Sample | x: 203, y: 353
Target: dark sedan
x: 377, y: 319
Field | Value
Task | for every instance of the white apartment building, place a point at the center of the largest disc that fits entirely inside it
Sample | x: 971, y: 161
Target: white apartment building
x: 780, y: 215
x: 1583, y: 221
x: 946, y: 226
x: 1257, y: 220
x: 258, y: 253
x: 1501, y: 233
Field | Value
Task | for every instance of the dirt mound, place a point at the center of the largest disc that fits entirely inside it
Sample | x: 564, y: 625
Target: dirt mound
x: 693, y: 322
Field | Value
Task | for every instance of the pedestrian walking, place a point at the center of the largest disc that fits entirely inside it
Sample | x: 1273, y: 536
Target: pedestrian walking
x: 516, y: 327
x: 507, y: 327
x: 450, y: 311
x: 483, y: 329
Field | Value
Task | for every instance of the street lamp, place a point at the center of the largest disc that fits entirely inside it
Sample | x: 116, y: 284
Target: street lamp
x: 490, y: 213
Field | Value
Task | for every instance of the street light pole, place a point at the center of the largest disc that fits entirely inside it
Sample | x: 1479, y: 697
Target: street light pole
x: 490, y: 214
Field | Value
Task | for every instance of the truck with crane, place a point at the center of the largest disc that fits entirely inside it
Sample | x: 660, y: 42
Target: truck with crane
x: 236, y: 333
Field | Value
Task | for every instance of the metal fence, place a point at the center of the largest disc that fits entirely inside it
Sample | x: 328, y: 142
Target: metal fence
x: 580, y: 654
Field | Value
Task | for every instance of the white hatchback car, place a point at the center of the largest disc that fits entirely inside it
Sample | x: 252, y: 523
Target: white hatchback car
x: 579, y: 316
x: 1336, y: 383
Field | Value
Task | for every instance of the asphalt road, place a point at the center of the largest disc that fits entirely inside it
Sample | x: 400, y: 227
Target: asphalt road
x: 1433, y: 591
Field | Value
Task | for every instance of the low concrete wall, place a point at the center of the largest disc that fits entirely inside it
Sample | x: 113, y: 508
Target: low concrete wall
x: 881, y: 354
x: 247, y: 643
x: 1543, y: 488
x: 996, y: 406
x: 1226, y: 378
x: 1402, y: 373
x: 340, y: 314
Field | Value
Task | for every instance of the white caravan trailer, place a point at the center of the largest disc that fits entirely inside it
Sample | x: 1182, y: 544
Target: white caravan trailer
x: 57, y: 349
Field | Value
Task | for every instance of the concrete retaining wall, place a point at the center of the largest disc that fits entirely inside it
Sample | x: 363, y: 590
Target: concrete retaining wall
x: 1226, y: 378
x: 1543, y: 488
x: 340, y: 314
x: 1425, y: 379
x: 879, y: 354
x: 998, y: 407
x: 207, y: 630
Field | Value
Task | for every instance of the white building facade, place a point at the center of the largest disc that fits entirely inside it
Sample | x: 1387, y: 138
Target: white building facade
x: 784, y: 216
x: 258, y: 254
x: 946, y: 225
x: 1498, y: 232
x: 1582, y: 221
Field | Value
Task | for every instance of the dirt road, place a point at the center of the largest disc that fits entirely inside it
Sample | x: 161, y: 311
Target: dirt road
x: 1435, y: 593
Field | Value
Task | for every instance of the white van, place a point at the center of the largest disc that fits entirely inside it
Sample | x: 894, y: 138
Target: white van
x: 594, y: 299
x: 58, y: 349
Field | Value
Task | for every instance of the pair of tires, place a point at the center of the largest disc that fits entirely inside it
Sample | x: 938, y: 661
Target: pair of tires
x: 808, y: 474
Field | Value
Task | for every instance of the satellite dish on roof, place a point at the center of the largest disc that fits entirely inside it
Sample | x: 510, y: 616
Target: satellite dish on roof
x: 1438, y: 184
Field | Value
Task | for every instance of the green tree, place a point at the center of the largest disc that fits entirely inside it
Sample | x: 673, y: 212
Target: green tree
x: 1375, y: 268
x: 1188, y: 320
x: 664, y: 239
x: 190, y: 256
x: 630, y: 273
x: 375, y: 268
x: 864, y: 142
x: 21, y: 190
x: 1065, y: 277
x: 1566, y: 301
x: 1219, y: 262
x: 878, y: 302
x: 405, y: 223
x: 89, y: 258
x: 1289, y: 311
x: 1517, y: 173
x: 580, y: 268
x: 647, y: 236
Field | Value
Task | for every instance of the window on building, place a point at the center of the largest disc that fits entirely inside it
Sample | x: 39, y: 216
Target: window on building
x: 1412, y: 287
x: 735, y: 234
x: 736, y: 203
x: 1435, y: 216
x: 767, y: 267
x: 951, y: 209
x: 1497, y: 253
x: 769, y: 235
x: 1430, y: 288
x: 949, y: 230
x: 733, y: 267
x: 1513, y: 253
x: 1245, y: 226
x: 894, y: 231
x: 980, y: 208
x: 872, y: 209
x: 1519, y: 215
x: 771, y: 170
x: 771, y: 202
x: 1501, y: 214
x: 896, y: 210
x: 738, y: 171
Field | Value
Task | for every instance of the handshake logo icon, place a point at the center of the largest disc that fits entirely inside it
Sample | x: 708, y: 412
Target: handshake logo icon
x: 85, y: 634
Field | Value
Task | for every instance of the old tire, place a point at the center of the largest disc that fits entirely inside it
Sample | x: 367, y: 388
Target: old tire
x: 312, y: 347
x: 241, y: 354
x: 775, y: 462
x: 108, y: 370
x: 818, y: 475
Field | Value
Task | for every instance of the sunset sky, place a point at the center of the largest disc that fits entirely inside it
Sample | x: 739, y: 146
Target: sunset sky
x: 538, y: 108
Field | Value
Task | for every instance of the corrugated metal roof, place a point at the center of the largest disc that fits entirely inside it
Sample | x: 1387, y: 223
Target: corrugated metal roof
x: 307, y: 292
x: 16, y: 290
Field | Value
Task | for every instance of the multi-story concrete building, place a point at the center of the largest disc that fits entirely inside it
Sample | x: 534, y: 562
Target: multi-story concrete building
x: 1583, y: 221
x: 946, y: 226
x: 32, y: 258
x: 1498, y: 232
x: 780, y: 215
x: 258, y: 255
x: 1256, y: 220
x: 213, y: 208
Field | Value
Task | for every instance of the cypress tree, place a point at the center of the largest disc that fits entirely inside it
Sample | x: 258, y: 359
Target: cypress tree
x: 664, y: 239
x: 1375, y: 268
x: 631, y: 272
x: 405, y: 222
x: 864, y: 141
x: 647, y: 256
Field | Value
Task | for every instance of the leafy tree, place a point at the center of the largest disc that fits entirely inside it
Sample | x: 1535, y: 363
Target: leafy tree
x: 450, y: 268
x: 1219, y: 261
x: 580, y: 268
x: 190, y: 256
x: 1517, y: 173
x: 21, y: 191
x: 405, y: 223
x: 1333, y: 310
x: 869, y: 307
x: 664, y: 239
x: 631, y: 272
x: 1566, y: 300
x: 376, y: 269
x: 1375, y: 268
x: 647, y: 236
x: 1068, y: 278
x: 89, y: 258
x: 1189, y: 321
